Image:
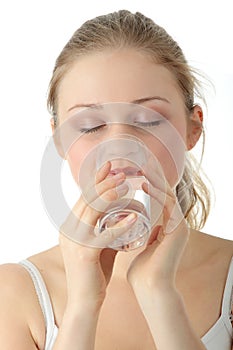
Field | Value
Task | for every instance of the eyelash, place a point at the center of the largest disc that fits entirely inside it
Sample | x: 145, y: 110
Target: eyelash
x: 154, y: 123
x: 89, y: 131
x: 147, y: 124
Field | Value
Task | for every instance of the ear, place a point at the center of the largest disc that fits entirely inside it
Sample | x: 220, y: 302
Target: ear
x: 194, y: 127
x: 56, y: 138
x: 52, y: 124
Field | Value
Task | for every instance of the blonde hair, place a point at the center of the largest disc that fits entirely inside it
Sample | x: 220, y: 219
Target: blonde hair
x: 125, y: 29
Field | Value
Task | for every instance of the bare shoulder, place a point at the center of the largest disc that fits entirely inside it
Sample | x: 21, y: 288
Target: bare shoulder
x: 48, y: 259
x: 20, y: 311
x: 220, y: 246
x: 15, y: 283
x: 222, y: 258
x: 211, y: 256
x: 14, y: 277
x: 17, y: 300
x: 214, y: 247
x: 217, y: 254
x: 51, y: 267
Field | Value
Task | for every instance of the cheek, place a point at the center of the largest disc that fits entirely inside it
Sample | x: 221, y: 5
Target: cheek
x: 170, y: 155
x: 80, y: 159
x: 169, y: 167
x: 75, y: 157
x: 182, y: 130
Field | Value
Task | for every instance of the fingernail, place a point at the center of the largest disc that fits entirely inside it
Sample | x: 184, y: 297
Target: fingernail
x: 131, y: 218
x: 118, y: 178
x: 105, y: 165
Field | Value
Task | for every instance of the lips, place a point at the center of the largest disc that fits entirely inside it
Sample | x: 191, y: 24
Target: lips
x: 128, y: 171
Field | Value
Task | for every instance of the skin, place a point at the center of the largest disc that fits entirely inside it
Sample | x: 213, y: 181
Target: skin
x: 150, y: 80
x: 113, y: 286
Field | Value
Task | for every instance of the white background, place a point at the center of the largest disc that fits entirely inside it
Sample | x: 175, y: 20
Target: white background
x: 32, y: 33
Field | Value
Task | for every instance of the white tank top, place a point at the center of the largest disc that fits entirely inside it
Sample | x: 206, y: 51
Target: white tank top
x: 218, y: 337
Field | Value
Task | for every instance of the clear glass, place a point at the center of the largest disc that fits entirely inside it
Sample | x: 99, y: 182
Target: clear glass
x: 135, y: 201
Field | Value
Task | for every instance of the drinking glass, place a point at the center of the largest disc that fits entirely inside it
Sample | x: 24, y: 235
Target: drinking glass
x: 136, y: 200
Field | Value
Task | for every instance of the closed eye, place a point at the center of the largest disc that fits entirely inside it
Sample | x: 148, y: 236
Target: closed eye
x: 91, y: 130
x: 143, y: 124
x: 152, y: 123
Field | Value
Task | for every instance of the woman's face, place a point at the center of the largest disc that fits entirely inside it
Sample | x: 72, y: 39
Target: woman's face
x: 125, y: 76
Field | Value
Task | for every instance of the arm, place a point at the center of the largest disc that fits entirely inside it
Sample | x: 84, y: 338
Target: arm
x: 88, y: 267
x: 18, y: 329
x: 85, y: 294
x: 152, y: 276
x: 77, y: 330
x: 168, y: 321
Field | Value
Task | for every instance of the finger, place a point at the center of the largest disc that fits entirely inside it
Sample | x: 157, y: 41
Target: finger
x: 93, y: 192
x: 83, y: 234
x: 100, y: 175
x: 98, y: 197
x: 110, y: 234
x: 82, y: 220
x: 81, y: 229
x: 154, y: 234
x: 103, y: 203
x: 161, y: 235
x: 99, y: 194
x: 109, y: 183
x: 103, y: 172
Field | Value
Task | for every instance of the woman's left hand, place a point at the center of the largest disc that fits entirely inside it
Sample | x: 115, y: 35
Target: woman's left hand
x: 152, y: 276
x: 155, y: 268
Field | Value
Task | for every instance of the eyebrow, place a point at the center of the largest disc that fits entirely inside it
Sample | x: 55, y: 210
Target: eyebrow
x: 138, y: 101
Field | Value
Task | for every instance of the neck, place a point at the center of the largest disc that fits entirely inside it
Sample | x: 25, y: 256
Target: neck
x: 123, y: 261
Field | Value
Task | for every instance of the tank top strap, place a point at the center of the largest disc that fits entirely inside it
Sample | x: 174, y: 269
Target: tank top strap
x: 227, y: 302
x: 43, y: 298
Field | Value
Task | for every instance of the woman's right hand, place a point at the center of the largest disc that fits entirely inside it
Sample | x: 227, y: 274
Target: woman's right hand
x: 89, y: 267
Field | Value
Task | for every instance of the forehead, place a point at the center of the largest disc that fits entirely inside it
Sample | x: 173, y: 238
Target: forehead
x: 115, y: 76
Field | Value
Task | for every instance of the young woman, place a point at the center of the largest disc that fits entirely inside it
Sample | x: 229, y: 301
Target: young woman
x: 174, y: 292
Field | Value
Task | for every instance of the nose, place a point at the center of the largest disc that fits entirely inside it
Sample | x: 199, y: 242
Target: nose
x: 121, y: 139
x: 120, y: 144
x: 116, y: 129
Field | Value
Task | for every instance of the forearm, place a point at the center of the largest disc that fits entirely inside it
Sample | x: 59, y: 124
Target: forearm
x: 77, y: 331
x: 169, y: 324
